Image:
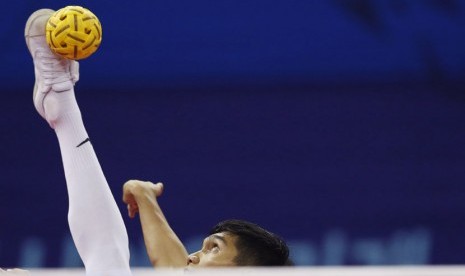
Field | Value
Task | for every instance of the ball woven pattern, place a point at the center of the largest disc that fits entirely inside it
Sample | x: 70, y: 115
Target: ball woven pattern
x: 74, y: 32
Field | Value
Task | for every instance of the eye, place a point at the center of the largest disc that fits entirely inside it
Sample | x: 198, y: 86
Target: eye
x: 215, y: 247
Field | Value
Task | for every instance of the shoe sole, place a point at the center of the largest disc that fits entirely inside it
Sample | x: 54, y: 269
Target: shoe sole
x: 27, y: 33
x: 34, y: 16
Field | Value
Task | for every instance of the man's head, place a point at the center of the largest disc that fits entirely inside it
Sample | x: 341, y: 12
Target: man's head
x: 241, y: 243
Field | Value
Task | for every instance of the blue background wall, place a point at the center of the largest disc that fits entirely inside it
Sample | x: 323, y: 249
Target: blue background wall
x: 337, y: 124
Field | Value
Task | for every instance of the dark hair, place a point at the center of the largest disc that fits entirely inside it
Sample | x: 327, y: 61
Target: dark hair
x: 255, y: 245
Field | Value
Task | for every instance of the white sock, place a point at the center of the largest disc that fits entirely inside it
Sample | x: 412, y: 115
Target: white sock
x: 95, y: 222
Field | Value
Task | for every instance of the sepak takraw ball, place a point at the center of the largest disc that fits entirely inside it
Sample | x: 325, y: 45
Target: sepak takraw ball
x: 74, y: 32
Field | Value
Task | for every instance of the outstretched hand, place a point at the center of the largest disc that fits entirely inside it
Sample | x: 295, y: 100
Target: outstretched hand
x: 163, y: 246
x: 135, y: 190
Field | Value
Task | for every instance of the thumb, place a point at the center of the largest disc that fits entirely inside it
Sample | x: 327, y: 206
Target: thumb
x: 158, y: 189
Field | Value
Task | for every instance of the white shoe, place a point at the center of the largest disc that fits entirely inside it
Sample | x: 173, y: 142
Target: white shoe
x: 52, y: 73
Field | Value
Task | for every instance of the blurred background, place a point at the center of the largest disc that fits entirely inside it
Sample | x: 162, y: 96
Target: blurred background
x: 337, y: 124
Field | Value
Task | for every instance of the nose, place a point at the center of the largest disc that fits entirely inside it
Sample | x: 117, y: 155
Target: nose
x: 193, y: 259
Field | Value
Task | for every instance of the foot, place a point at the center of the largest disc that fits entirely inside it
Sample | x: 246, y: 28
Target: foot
x: 53, y: 74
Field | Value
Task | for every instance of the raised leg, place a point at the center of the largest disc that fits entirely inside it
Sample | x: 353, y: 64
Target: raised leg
x: 95, y: 222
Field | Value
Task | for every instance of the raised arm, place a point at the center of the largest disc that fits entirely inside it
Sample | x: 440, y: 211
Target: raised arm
x: 163, y: 245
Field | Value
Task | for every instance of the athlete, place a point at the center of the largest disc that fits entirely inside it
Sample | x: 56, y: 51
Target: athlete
x: 95, y: 222
x: 231, y: 242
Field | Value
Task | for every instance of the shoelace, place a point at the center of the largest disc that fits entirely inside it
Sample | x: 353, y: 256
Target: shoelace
x: 52, y: 68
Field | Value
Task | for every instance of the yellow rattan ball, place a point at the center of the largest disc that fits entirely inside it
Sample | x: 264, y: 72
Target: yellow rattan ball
x: 74, y: 32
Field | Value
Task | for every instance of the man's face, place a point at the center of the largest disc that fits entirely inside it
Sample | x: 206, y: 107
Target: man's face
x: 217, y: 250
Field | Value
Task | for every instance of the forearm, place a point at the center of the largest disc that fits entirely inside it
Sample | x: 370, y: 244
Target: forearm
x: 163, y: 246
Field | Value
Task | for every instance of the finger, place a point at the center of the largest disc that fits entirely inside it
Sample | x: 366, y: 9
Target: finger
x: 125, y: 196
x: 126, y: 200
x: 127, y: 189
x: 128, y: 197
x: 159, y: 189
x: 131, y: 212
